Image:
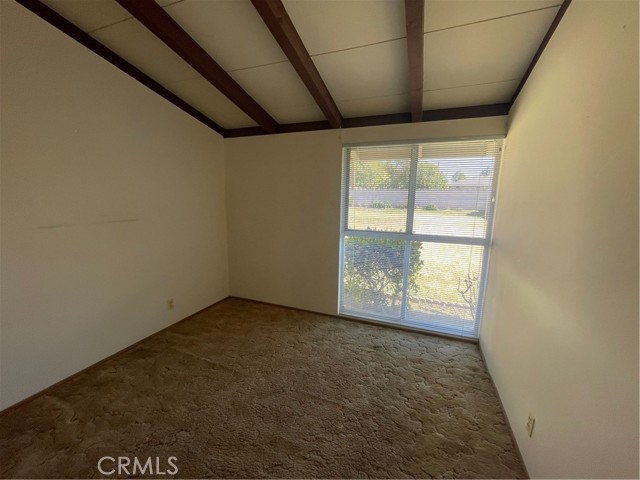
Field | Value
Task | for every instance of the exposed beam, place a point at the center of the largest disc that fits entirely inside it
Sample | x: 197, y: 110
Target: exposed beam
x: 414, y: 17
x: 477, y: 111
x: 284, y: 128
x: 277, y: 20
x: 50, y: 16
x: 305, y: 126
x: 244, y: 132
x: 160, y: 23
x: 545, y: 41
x: 65, y: 26
x: 376, y: 120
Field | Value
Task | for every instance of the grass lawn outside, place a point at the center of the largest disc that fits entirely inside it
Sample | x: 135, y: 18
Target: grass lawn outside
x: 445, y: 266
x: 456, y: 223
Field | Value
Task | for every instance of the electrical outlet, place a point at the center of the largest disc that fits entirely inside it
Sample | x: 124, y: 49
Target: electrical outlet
x: 170, y: 304
x: 531, y: 422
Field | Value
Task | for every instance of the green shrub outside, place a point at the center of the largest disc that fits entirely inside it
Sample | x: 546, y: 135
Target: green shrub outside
x: 373, y: 272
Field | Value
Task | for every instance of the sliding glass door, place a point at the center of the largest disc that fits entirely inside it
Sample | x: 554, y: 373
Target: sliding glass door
x: 416, y: 224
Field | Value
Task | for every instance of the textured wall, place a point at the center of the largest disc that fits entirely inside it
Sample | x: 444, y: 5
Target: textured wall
x: 560, y: 330
x: 112, y: 203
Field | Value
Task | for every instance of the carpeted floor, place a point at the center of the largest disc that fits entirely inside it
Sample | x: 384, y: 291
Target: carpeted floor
x: 249, y: 390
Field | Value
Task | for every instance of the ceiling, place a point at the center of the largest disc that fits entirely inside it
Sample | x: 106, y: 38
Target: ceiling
x: 467, y: 53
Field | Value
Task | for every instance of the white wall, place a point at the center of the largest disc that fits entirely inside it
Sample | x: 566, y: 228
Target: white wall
x: 560, y: 331
x: 283, y: 197
x: 113, y: 201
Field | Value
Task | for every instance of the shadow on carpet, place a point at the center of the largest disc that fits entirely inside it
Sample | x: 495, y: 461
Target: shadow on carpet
x: 250, y: 390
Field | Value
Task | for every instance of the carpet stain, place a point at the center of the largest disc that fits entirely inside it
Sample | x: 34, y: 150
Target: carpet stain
x: 247, y: 390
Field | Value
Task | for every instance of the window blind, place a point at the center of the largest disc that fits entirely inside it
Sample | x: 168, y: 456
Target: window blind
x: 416, y: 231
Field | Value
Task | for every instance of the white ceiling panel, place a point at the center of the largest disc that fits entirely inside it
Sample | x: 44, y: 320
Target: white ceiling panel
x: 485, y: 52
x: 139, y: 46
x: 279, y: 90
x: 475, y: 52
x: 363, y: 107
x: 296, y: 113
x: 372, y: 71
x: 89, y: 15
x: 199, y: 93
x: 328, y: 26
x: 231, y: 31
x: 439, y: 14
x: 499, y: 92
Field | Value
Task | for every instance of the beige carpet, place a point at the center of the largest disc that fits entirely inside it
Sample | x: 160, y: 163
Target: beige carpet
x: 249, y: 390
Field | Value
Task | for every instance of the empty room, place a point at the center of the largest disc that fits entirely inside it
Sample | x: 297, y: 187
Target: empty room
x: 319, y: 239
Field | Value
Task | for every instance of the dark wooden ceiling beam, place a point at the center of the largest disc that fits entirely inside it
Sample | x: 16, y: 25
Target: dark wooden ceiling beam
x: 160, y: 23
x: 414, y: 19
x: 545, y: 41
x: 459, y: 113
x: 477, y: 111
x: 65, y: 26
x: 277, y: 19
x: 50, y: 16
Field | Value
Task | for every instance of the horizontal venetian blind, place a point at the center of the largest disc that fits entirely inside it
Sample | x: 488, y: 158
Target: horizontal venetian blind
x: 417, y: 218
x: 379, y: 188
